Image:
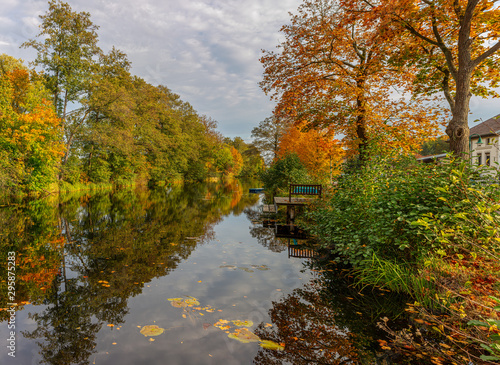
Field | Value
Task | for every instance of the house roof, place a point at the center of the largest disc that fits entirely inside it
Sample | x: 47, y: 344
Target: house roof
x: 431, y: 157
x: 490, y: 126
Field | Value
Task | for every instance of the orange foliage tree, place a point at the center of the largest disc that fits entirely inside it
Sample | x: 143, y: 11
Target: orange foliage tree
x: 332, y: 71
x: 30, y: 131
x: 319, y: 152
x: 454, y: 46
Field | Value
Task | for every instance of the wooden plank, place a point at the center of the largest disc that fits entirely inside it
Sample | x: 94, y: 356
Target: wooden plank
x: 268, y: 208
x: 279, y: 200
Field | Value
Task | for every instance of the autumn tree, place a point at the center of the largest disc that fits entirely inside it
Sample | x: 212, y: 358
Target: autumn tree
x: 454, y: 45
x: 319, y: 152
x: 30, y: 131
x: 252, y: 162
x: 332, y: 71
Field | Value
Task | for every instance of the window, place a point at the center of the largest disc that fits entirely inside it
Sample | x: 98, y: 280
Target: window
x: 487, y: 159
x: 479, y: 162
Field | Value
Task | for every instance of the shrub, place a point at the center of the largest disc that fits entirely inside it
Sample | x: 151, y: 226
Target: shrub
x: 284, y: 171
x: 404, y: 211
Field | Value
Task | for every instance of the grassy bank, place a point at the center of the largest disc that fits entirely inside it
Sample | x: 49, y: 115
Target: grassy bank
x: 430, y: 231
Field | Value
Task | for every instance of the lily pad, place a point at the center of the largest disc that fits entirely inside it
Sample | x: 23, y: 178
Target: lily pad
x: 244, y: 335
x: 243, y: 323
x: 245, y: 269
x: 271, y: 345
x: 152, y: 330
x: 183, y: 302
x: 191, y: 301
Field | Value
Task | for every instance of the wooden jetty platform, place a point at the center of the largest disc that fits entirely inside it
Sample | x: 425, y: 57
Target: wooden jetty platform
x: 292, y: 202
x: 291, y: 205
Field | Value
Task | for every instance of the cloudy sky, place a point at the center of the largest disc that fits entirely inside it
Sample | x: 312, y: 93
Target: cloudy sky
x: 207, y: 51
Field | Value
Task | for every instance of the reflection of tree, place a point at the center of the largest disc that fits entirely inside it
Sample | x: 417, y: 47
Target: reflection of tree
x: 114, y: 243
x: 306, y: 324
x: 264, y: 235
x: 329, y: 321
x: 66, y: 325
x: 28, y: 230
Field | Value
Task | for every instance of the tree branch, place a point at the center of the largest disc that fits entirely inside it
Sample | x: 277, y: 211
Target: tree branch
x: 485, y: 55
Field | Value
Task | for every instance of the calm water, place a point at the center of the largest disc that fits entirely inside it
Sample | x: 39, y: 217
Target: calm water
x: 96, y: 270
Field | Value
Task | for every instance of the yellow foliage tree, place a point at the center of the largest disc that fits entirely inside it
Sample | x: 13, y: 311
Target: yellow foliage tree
x: 30, y: 131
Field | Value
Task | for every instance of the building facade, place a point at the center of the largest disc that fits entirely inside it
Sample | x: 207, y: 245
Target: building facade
x: 485, y: 150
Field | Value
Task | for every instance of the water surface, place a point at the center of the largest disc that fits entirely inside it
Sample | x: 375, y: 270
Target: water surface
x: 94, y: 270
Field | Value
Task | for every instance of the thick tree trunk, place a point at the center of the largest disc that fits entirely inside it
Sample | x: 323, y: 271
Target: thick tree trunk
x: 458, y: 128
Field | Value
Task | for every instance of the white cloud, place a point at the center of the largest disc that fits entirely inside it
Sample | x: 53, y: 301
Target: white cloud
x: 205, y: 50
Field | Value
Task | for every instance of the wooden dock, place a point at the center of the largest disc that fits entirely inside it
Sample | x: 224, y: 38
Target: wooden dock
x: 291, y: 205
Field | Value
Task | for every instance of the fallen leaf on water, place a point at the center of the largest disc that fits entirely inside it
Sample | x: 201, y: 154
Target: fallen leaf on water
x: 268, y: 325
x: 271, y: 345
x: 182, y: 303
x: 152, y: 330
x: 206, y: 326
x: 151, y: 339
x: 244, y: 335
x: 243, y: 323
x: 110, y: 325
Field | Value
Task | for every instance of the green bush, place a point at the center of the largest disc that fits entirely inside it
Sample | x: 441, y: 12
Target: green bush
x: 403, y: 211
x: 284, y: 171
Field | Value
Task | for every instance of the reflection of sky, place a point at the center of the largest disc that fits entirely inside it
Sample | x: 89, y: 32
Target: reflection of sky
x: 238, y: 293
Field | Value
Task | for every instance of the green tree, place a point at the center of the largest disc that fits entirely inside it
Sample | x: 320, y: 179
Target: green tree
x: 284, y: 171
x: 66, y: 53
x: 435, y: 147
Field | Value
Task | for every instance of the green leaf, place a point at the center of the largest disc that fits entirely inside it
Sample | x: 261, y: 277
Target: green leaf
x: 477, y: 323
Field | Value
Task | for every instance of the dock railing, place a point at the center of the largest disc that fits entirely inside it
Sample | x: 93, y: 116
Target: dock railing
x: 304, y: 189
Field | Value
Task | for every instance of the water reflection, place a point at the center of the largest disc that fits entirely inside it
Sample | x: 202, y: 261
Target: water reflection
x: 83, y: 257
x: 98, y: 267
x: 329, y: 321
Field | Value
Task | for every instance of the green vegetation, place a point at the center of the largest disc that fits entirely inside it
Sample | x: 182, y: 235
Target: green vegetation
x: 85, y: 120
x: 431, y: 231
x: 282, y: 172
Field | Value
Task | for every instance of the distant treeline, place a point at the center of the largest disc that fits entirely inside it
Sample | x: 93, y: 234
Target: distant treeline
x: 82, y: 118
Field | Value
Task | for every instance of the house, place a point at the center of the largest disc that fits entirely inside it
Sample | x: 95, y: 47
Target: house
x: 484, y: 142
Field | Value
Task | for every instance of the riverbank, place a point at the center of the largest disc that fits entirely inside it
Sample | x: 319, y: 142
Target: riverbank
x: 431, y: 232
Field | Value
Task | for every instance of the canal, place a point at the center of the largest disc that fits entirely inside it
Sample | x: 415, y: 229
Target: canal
x: 178, y: 275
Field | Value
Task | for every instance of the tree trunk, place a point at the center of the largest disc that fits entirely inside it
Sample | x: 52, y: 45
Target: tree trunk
x: 361, y: 123
x: 458, y: 128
